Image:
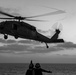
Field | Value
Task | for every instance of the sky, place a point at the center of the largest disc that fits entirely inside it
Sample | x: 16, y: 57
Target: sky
x: 22, y: 50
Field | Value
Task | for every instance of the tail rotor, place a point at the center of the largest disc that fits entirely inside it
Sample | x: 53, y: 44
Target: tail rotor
x: 57, y: 27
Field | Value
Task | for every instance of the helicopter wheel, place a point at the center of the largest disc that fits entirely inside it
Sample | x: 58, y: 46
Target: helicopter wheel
x: 5, y: 36
x: 16, y: 37
x: 47, y: 46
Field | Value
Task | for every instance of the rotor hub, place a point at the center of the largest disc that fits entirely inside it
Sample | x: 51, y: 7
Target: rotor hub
x: 19, y: 18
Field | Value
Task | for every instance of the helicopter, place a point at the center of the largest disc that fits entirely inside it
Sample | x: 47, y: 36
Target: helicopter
x: 20, y: 29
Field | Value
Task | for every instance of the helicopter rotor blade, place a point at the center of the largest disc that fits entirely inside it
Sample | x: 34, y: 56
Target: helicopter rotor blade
x: 47, y: 14
x: 60, y: 27
x: 6, y: 18
x: 35, y: 20
x: 25, y: 18
x: 56, y: 26
x: 4, y: 13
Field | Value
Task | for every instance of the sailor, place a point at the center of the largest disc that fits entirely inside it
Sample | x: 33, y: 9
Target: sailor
x: 30, y: 71
x: 39, y: 70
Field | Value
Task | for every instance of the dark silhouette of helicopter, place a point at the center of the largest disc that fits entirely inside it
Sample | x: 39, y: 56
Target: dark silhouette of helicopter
x: 18, y: 28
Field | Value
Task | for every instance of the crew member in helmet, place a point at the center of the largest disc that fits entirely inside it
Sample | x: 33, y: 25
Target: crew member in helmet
x: 30, y: 71
x: 39, y: 70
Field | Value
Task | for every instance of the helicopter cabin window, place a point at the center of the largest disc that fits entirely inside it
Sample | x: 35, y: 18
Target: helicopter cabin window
x: 14, y: 26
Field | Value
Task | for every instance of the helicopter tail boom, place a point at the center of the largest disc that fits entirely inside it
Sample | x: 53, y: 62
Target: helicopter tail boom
x: 57, y: 41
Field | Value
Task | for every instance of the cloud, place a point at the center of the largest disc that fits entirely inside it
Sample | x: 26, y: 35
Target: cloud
x: 14, y: 48
x: 2, y: 40
x: 23, y: 46
x: 28, y: 41
x: 27, y: 46
x: 67, y: 45
x: 7, y: 41
x: 49, y: 33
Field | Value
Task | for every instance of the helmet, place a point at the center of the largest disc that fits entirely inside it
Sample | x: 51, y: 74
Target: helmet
x: 37, y: 65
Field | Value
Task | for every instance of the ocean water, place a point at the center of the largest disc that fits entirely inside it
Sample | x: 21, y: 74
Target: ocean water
x: 20, y: 69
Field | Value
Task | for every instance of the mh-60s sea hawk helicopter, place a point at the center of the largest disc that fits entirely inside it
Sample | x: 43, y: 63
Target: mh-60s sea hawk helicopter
x: 20, y: 29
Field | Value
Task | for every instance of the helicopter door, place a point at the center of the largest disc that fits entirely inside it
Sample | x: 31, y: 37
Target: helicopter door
x: 14, y: 26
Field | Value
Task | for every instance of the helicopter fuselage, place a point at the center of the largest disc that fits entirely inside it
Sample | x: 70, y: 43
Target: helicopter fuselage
x: 22, y: 30
x: 26, y: 31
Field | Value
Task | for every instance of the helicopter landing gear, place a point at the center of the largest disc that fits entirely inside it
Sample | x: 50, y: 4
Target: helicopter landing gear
x: 5, y: 36
x: 15, y: 34
x: 47, y: 45
x: 16, y: 37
